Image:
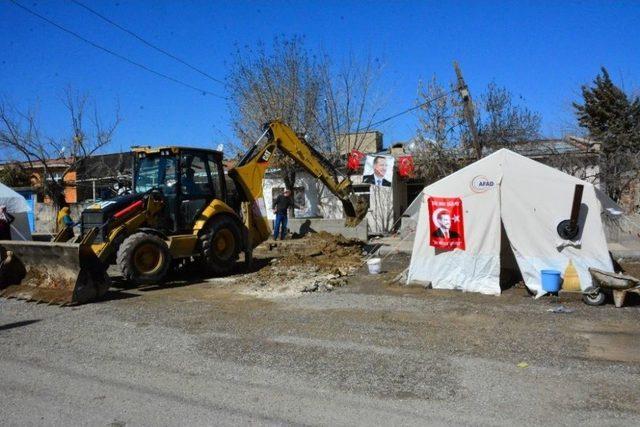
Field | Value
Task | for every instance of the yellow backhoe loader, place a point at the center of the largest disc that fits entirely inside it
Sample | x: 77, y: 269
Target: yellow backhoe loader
x: 183, y: 207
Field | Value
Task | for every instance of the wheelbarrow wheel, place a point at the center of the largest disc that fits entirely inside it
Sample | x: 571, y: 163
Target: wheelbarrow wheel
x: 595, y: 299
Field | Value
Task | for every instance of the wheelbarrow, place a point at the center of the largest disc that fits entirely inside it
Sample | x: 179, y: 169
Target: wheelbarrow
x: 606, y: 282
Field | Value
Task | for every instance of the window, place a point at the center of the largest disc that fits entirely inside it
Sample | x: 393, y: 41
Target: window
x: 156, y: 172
x: 194, y: 180
x: 216, y: 177
x: 233, y: 197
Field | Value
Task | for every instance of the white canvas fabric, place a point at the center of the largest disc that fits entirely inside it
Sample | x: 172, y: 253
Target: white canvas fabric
x: 530, y: 199
x: 18, y: 207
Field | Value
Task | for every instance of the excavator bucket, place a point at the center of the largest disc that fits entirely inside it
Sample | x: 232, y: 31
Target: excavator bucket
x: 51, y: 272
x: 355, y: 210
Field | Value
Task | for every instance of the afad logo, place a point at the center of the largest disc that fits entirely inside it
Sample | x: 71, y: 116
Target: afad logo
x: 481, y: 183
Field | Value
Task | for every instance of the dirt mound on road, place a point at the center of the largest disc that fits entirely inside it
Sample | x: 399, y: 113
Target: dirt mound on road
x: 317, y: 262
x: 323, y: 250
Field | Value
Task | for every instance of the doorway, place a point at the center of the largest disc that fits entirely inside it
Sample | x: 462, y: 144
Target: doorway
x: 510, y: 273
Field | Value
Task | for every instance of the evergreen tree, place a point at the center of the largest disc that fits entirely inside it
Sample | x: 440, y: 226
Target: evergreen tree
x: 613, y: 122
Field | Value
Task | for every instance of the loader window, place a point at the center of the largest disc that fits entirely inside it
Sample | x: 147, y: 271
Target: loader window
x: 195, y: 180
x: 156, y: 172
x: 217, y: 175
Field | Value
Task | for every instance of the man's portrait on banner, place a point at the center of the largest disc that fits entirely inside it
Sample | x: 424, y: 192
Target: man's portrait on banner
x: 378, y: 170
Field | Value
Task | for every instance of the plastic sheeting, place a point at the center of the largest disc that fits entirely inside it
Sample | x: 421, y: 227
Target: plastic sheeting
x: 14, y: 202
x: 18, y: 207
x: 530, y: 199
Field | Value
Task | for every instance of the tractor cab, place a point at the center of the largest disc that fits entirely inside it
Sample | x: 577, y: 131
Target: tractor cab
x: 188, y: 179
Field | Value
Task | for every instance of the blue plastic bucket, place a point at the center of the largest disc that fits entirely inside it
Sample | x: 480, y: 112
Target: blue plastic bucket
x: 551, y: 280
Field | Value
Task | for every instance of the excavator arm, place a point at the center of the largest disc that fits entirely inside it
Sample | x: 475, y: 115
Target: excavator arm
x: 249, y: 175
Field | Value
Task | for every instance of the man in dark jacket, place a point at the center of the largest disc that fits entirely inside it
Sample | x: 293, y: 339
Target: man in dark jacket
x: 281, y: 206
x: 379, y: 172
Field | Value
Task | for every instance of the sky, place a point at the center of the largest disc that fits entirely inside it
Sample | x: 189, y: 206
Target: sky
x: 542, y: 51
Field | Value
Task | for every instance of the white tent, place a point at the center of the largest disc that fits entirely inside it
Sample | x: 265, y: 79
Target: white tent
x: 18, y: 207
x: 529, y: 199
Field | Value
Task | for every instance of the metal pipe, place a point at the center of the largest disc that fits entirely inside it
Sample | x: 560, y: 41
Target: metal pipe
x: 575, y: 207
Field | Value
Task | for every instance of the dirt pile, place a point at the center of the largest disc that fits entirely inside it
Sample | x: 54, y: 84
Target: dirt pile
x: 318, y: 262
x: 323, y: 250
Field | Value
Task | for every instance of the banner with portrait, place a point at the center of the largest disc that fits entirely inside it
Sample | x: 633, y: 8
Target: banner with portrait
x: 378, y: 170
x: 446, y: 223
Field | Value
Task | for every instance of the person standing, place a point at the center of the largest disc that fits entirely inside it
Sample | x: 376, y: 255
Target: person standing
x: 5, y: 223
x: 281, y: 206
x: 65, y: 222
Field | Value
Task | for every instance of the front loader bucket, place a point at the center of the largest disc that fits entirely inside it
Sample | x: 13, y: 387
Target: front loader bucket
x: 355, y: 210
x: 57, y: 273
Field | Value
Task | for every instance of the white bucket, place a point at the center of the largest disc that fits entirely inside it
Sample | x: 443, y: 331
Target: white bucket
x: 374, y: 265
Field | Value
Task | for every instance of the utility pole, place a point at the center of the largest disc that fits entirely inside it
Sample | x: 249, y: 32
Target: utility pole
x: 469, y: 115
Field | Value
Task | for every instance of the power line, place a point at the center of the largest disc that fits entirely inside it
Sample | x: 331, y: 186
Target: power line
x: 148, y: 43
x: 117, y: 55
x: 408, y: 110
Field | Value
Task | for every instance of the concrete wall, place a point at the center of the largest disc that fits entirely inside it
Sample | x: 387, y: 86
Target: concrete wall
x: 367, y: 142
x: 622, y: 229
x: 45, y: 216
x: 318, y: 201
x: 386, y: 204
x: 302, y: 226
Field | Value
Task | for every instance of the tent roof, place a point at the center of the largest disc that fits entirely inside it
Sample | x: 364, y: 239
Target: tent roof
x: 499, y: 158
x: 14, y: 202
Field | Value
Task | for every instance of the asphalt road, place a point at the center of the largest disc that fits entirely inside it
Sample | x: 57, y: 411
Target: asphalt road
x: 368, y: 353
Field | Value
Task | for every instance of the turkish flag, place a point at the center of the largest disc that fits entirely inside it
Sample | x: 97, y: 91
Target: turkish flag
x: 405, y: 166
x: 354, y: 159
x: 446, y: 223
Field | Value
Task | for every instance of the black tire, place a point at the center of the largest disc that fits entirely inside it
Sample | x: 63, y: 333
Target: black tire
x: 148, y: 267
x: 219, y: 258
x: 594, y: 299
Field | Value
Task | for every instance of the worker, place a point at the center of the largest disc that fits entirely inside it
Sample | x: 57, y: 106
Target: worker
x: 65, y: 222
x: 281, y: 206
x: 188, y: 183
x: 5, y: 223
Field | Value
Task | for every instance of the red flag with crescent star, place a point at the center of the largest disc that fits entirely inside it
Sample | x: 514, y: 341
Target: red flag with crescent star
x: 446, y: 223
x: 405, y: 166
x: 354, y: 159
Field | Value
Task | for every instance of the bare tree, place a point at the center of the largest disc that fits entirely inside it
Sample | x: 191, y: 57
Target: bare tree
x: 283, y: 84
x: 443, y: 141
x: 438, y: 145
x: 290, y: 83
x: 501, y: 123
x: 15, y: 175
x: 22, y: 139
x: 351, y: 102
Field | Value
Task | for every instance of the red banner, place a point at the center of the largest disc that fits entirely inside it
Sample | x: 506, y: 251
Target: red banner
x: 446, y: 223
x: 405, y: 166
x: 354, y: 159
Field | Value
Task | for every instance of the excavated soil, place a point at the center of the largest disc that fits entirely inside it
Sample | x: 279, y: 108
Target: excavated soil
x: 323, y: 250
x: 318, y: 262
x: 631, y: 268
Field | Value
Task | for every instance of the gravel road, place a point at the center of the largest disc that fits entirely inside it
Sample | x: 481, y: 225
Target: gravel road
x: 367, y: 353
